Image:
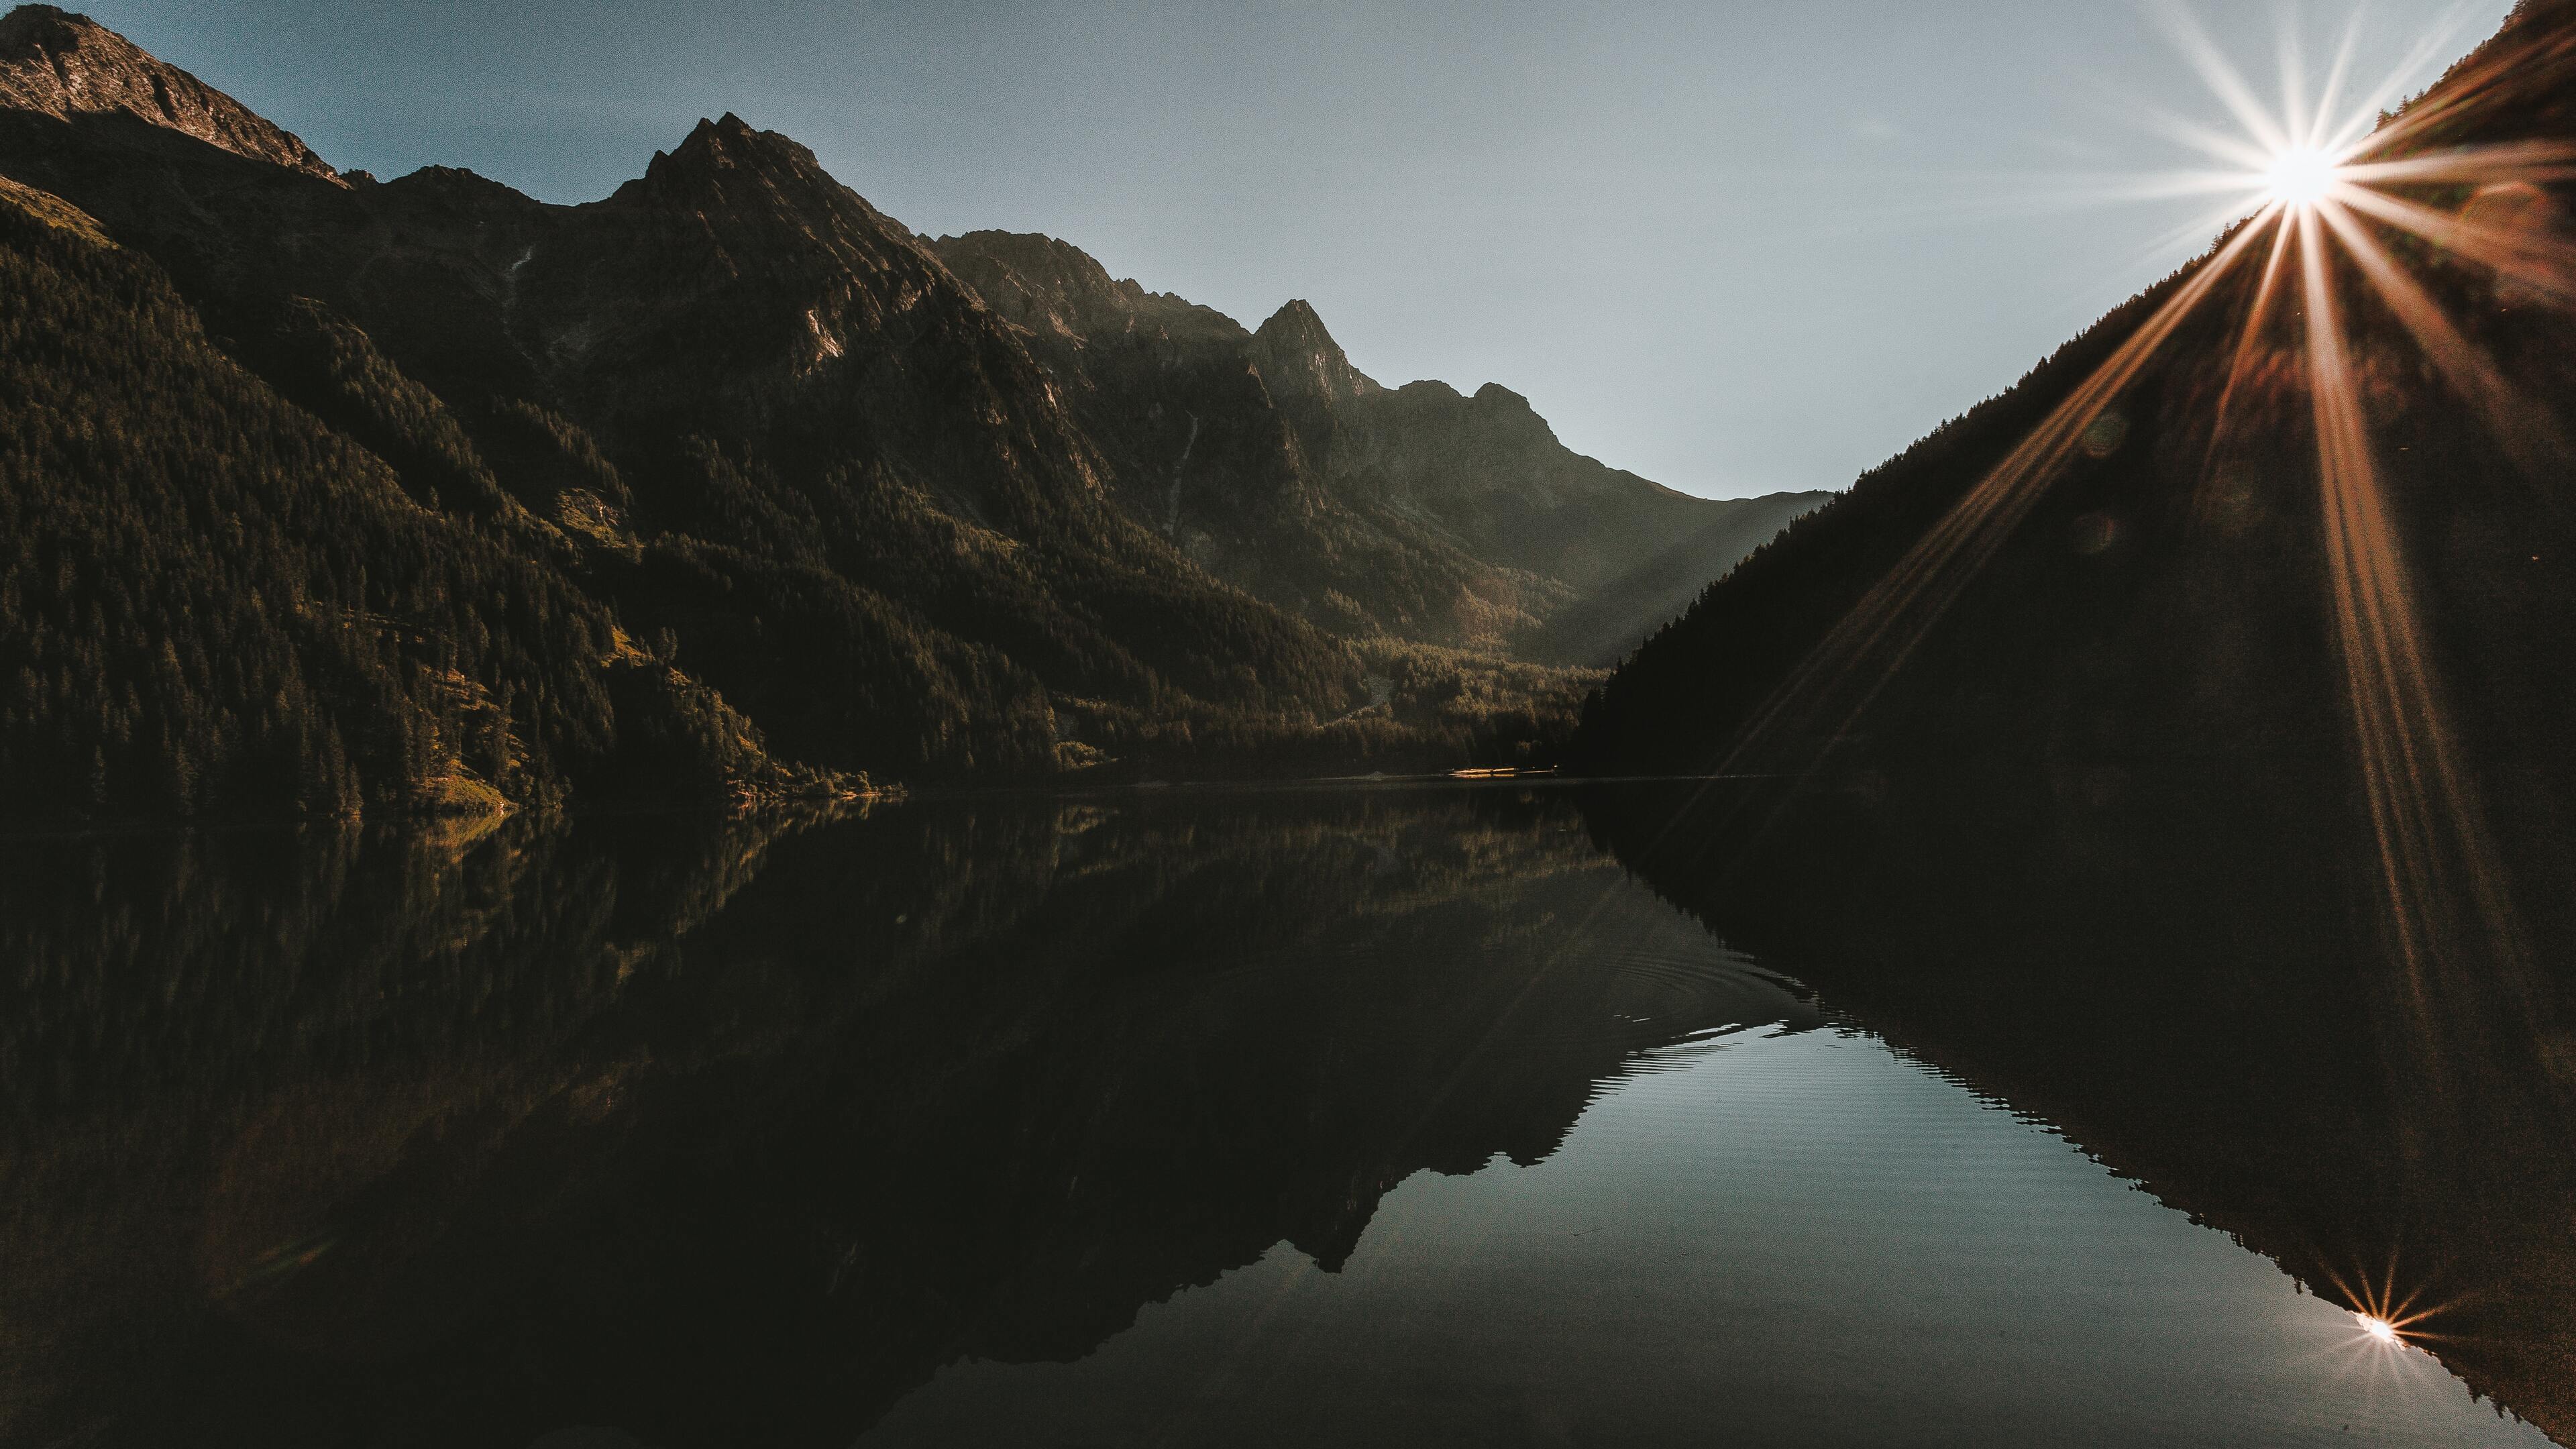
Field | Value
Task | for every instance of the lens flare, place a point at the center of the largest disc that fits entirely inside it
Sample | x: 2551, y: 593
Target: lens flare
x: 2316, y: 193
x: 2301, y: 176
x: 2379, y: 1330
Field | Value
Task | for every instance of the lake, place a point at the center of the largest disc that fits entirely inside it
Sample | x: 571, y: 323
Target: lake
x: 1372, y: 1115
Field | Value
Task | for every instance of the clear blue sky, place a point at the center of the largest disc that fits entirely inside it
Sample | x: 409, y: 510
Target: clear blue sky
x: 1734, y: 246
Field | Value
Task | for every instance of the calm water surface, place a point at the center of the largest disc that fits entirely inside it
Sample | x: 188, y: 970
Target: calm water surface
x: 1365, y: 1117
x: 1794, y: 1240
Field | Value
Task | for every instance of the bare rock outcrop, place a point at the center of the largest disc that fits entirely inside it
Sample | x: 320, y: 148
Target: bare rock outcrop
x: 59, y: 64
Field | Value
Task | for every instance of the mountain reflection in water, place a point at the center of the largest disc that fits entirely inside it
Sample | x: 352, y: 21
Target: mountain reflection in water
x: 744, y: 1133
x: 2189, y: 974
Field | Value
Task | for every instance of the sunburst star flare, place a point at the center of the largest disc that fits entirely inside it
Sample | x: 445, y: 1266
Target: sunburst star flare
x: 2318, y: 190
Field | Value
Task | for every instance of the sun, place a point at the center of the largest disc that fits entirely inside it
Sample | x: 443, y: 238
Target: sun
x: 2299, y: 177
x: 2323, y: 205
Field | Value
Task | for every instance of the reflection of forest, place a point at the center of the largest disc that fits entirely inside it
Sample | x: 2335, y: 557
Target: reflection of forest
x: 2191, y: 980
x: 734, y: 1133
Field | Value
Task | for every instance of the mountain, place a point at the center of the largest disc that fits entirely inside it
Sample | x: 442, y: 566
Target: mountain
x: 63, y: 66
x: 1414, y: 511
x: 2123, y: 754
x: 209, y: 601
x: 722, y: 487
x: 2227, y: 626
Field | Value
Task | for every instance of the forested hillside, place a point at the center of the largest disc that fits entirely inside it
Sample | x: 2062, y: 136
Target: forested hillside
x: 214, y: 603
x: 2170, y: 592
x: 2274, y: 613
x: 334, y: 495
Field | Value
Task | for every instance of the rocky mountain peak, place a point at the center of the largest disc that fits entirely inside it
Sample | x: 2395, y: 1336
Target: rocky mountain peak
x: 725, y: 140
x: 733, y: 175
x: 726, y: 144
x: 1298, y: 358
x: 58, y: 64
x: 1048, y: 285
x: 1506, y: 414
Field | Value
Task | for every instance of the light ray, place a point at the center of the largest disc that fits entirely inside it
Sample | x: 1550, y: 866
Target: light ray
x: 2508, y: 415
x: 2546, y: 265
x: 2460, y: 87
x: 2374, y: 630
x: 2298, y: 124
x: 1873, y: 641
x: 2257, y: 312
x: 2367, y: 112
x: 2317, y: 138
x: 2222, y: 79
x: 2316, y: 180
x: 2202, y: 225
x: 2248, y: 156
x: 2438, y: 868
x: 2533, y: 161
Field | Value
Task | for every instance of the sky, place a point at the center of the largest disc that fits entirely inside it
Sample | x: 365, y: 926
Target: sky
x: 1737, y: 246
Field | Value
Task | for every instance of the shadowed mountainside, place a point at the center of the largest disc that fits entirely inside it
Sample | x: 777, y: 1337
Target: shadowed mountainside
x: 782, y: 501
x: 2173, y: 599
x: 2096, y: 823
x: 1412, y: 511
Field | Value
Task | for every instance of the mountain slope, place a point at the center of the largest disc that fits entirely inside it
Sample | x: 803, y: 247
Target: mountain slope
x: 2180, y: 549
x: 2104, y: 825
x: 2162, y: 702
x: 1413, y: 512
x: 61, y: 65
x: 824, y: 497
x: 210, y: 601
x: 765, y: 460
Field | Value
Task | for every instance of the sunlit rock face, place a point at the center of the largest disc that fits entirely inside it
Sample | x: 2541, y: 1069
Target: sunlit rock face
x: 57, y: 64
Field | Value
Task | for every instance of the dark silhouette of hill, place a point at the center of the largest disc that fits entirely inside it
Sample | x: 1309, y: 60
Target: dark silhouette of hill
x: 785, y: 502
x: 1604, y: 625
x: 2168, y: 601
x: 2093, y: 826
